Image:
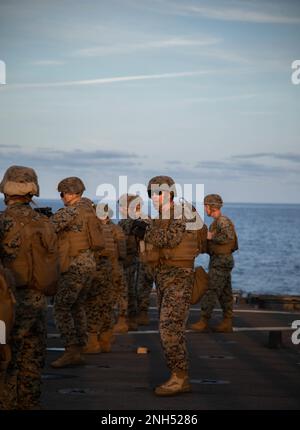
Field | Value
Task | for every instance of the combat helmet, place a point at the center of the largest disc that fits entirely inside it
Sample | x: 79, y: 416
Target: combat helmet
x: 71, y: 185
x: 20, y: 181
x: 163, y: 183
x: 214, y: 200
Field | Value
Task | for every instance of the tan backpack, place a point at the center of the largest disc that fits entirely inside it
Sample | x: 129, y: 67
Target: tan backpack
x: 36, y: 265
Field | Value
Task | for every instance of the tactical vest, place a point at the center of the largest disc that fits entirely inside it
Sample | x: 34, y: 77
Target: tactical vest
x: 224, y: 248
x: 72, y: 243
x: 110, y: 249
x: 183, y: 255
x: 32, y: 244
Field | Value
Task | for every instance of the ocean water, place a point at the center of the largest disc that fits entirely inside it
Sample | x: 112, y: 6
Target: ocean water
x: 268, y: 260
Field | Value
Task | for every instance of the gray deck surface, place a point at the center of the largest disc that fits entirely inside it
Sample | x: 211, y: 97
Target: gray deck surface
x: 228, y: 371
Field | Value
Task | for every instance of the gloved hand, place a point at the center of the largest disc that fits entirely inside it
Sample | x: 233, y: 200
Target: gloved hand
x: 139, y: 228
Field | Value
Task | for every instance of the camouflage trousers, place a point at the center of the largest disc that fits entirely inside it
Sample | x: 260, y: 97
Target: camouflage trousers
x: 174, y: 290
x: 144, y: 287
x: 100, y: 299
x: 121, y: 289
x: 22, y: 389
x: 131, y: 273
x: 69, y: 304
x: 219, y: 289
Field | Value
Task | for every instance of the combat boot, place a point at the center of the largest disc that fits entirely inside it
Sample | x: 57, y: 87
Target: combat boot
x: 71, y: 357
x: 225, y: 326
x: 121, y: 325
x: 201, y: 325
x: 143, y: 318
x: 105, y: 340
x: 132, y: 324
x: 178, y: 383
x: 93, y: 345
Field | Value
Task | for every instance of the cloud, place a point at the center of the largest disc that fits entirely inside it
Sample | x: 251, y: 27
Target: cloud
x: 125, y: 48
x: 61, y: 160
x: 4, y: 146
x: 243, y: 12
x: 48, y: 63
x: 103, y: 81
x: 287, y: 156
x: 221, y: 99
x: 238, y: 166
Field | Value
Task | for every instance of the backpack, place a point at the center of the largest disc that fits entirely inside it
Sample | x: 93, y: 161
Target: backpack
x: 36, y: 264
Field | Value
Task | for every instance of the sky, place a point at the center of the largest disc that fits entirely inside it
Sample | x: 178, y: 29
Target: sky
x: 198, y: 90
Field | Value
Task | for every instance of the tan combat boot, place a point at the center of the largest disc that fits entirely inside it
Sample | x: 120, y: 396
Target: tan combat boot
x: 178, y: 383
x: 105, y: 340
x: 225, y: 326
x: 121, y: 325
x: 71, y: 357
x: 201, y: 325
x: 93, y: 345
x: 143, y: 318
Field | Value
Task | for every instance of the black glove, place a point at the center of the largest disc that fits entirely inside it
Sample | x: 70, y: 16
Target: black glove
x: 44, y: 211
x: 139, y: 228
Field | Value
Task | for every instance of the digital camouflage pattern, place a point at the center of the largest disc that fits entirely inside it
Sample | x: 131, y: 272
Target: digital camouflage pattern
x: 131, y: 266
x: 144, y: 287
x: 174, y: 289
x: 28, y: 339
x: 100, y: 298
x: 74, y: 284
x: 23, y: 387
x: 220, y: 267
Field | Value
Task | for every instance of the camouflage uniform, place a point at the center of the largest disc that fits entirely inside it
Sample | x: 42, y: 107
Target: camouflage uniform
x: 144, y: 287
x: 120, y: 288
x: 23, y: 389
x: 220, y: 267
x: 100, y: 298
x: 73, y: 285
x: 174, y: 289
x: 130, y: 269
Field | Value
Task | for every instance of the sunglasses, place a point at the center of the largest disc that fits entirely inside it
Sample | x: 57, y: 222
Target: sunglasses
x: 154, y: 193
x: 62, y: 195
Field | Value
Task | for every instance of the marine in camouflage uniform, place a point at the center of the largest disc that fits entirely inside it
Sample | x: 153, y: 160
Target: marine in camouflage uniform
x: 222, y: 241
x: 99, y: 307
x: 174, y: 284
x: 102, y: 295
x: 119, y: 280
x: 131, y: 262
x: 144, y: 288
x: 28, y: 340
x: 76, y: 277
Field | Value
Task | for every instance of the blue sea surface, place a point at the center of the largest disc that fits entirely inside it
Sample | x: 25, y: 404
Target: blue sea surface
x: 268, y: 260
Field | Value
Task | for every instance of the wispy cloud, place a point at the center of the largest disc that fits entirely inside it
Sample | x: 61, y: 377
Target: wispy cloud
x: 103, y: 81
x: 42, y: 158
x: 125, y: 48
x: 48, y: 63
x: 243, y: 166
x: 287, y: 156
x: 243, y: 12
x: 221, y: 99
